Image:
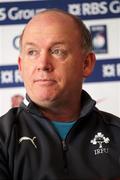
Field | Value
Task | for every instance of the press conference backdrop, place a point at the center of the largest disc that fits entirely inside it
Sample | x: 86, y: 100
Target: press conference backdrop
x: 102, y: 17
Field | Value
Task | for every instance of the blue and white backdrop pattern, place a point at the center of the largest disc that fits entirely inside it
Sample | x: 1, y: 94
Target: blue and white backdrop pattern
x: 102, y: 17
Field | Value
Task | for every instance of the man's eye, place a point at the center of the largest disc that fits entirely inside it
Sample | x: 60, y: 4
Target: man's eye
x: 58, y: 52
x: 32, y: 52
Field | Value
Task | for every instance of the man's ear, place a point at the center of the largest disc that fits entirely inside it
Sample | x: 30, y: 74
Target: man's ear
x: 89, y: 63
x: 19, y: 63
x: 20, y: 68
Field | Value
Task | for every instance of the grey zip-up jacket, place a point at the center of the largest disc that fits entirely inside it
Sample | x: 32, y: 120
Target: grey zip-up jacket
x: 31, y: 149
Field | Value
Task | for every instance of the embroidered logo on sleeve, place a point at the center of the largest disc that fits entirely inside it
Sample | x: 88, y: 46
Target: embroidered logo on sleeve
x: 100, y: 139
x: 25, y: 138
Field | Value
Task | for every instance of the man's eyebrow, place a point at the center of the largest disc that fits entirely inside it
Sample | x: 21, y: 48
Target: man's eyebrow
x: 58, y: 42
x: 30, y: 44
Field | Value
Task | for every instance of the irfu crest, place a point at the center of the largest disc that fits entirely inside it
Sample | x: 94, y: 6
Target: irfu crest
x: 100, y: 139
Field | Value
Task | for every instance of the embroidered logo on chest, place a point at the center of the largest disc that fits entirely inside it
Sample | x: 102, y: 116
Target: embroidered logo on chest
x: 100, y: 140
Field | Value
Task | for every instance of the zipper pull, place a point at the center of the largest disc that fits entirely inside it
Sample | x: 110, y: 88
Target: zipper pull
x: 64, y: 145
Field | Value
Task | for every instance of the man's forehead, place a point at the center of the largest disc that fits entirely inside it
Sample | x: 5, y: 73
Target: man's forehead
x: 56, y: 23
x: 52, y: 14
x: 51, y: 17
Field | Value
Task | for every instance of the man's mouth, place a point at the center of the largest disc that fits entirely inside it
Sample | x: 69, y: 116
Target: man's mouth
x: 45, y: 82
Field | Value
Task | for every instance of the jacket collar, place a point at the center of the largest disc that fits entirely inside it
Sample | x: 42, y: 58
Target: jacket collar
x: 87, y: 105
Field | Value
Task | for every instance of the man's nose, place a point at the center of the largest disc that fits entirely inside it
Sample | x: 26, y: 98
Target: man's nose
x: 45, y: 62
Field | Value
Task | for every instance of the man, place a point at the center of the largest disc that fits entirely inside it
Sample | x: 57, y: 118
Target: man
x: 57, y: 133
x: 16, y: 100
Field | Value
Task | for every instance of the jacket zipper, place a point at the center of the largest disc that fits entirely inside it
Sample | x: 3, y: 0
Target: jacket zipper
x: 64, y: 145
x: 65, y: 148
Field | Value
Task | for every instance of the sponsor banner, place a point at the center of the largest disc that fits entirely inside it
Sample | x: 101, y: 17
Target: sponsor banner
x: 104, y: 71
x: 10, y: 77
x: 10, y: 43
x: 99, y: 38
x: 21, y: 12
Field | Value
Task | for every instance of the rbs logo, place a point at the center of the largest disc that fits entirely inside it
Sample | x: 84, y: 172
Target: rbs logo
x: 3, y: 15
x: 94, y: 8
x: 15, y: 13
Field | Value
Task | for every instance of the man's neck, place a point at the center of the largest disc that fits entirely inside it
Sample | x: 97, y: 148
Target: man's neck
x: 62, y: 114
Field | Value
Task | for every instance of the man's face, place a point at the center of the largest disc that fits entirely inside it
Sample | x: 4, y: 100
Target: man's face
x: 52, y: 62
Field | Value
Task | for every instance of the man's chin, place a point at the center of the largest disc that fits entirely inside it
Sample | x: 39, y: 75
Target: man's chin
x: 45, y: 102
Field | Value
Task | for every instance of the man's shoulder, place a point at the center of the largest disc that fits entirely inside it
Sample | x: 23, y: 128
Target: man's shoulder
x: 7, y: 121
x: 10, y: 115
x: 110, y: 119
